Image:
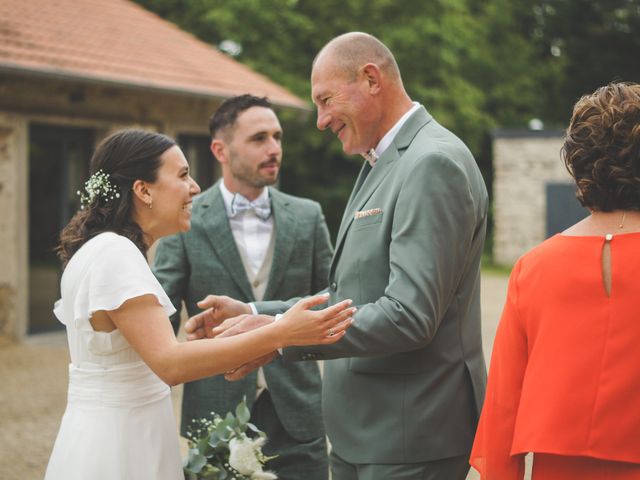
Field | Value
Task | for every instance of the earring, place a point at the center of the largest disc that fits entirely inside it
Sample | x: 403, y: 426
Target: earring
x: 150, y: 204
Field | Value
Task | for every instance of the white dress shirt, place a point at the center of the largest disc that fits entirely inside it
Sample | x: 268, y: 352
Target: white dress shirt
x: 385, y: 141
x: 252, y: 236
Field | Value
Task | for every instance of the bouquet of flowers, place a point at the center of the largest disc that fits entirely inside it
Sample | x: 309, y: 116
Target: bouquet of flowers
x: 219, y: 449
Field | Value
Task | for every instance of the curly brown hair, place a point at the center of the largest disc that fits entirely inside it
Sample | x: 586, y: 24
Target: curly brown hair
x: 602, y: 148
x: 125, y: 156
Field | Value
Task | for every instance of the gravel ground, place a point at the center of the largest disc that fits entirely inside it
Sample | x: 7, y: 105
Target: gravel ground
x: 33, y: 375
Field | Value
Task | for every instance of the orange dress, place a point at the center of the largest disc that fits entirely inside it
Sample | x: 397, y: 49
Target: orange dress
x: 565, y: 367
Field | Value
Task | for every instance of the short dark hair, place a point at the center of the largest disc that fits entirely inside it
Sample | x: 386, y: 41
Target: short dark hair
x: 228, y: 112
x: 602, y: 148
x: 125, y: 156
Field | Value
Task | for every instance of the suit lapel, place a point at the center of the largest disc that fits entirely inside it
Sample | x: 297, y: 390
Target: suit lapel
x: 362, y: 176
x: 360, y: 196
x: 216, y: 225
x: 384, y: 167
x: 285, y: 231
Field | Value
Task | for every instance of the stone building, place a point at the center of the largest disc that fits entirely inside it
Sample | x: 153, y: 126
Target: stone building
x: 533, y: 194
x: 71, y: 72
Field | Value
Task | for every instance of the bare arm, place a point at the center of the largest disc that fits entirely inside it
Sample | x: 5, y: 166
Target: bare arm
x: 146, y: 327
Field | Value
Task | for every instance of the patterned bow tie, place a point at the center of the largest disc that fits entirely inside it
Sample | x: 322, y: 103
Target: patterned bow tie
x: 261, y: 206
x: 371, y: 156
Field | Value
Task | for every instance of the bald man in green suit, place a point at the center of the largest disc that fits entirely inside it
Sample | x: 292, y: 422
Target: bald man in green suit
x: 402, y: 391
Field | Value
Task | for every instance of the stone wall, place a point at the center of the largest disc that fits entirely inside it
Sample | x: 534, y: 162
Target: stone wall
x: 13, y: 228
x: 27, y: 100
x: 523, y: 163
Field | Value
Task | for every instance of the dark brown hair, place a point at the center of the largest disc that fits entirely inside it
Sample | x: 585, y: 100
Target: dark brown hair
x: 125, y: 156
x: 602, y: 148
x: 229, y: 110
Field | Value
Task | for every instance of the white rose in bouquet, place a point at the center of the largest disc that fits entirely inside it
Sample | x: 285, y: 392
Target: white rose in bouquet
x: 220, y: 449
x: 244, y: 455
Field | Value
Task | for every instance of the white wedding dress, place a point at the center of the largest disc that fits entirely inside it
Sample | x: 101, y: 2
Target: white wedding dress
x: 119, y: 422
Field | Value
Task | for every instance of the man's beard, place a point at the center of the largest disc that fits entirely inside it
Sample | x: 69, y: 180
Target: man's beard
x: 253, y: 178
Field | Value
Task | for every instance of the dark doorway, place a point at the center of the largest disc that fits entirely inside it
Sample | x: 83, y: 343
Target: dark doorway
x: 563, y: 208
x: 58, y: 166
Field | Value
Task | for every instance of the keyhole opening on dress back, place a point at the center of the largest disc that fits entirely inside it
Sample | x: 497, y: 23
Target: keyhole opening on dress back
x: 606, y: 265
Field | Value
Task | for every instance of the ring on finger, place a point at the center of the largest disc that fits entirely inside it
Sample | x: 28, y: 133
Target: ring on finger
x: 330, y: 333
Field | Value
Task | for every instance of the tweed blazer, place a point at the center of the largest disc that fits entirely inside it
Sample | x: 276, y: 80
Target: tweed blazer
x: 205, y: 261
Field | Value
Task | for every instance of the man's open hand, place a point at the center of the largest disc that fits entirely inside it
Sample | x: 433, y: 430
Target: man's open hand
x: 218, y: 309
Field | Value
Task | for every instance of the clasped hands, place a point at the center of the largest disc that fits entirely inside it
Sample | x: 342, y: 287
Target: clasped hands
x: 224, y: 316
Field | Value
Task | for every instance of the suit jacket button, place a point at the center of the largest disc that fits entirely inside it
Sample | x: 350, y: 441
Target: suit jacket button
x: 334, y: 286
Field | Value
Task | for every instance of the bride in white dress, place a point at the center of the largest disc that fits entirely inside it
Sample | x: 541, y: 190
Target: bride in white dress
x: 119, y: 421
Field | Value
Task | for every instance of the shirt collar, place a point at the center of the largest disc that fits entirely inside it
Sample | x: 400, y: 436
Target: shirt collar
x: 384, y: 143
x: 227, y: 196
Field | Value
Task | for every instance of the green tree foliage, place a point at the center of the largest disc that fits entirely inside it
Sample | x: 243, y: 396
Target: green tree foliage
x: 595, y: 41
x: 475, y: 64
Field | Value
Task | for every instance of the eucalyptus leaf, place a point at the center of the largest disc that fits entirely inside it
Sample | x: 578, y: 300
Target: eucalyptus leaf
x: 253, y: 428
x: 215, y: 440
x: 195, y: 463
x: 242, y: 413
x: 222, y: 431
x: 203, y: 445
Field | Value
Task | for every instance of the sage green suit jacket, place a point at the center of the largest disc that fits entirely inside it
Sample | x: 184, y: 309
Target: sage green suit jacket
x: 407, y: 381
x: 205, y: 261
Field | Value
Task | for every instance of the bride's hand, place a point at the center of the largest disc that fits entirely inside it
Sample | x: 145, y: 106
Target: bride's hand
x: 302, y: 326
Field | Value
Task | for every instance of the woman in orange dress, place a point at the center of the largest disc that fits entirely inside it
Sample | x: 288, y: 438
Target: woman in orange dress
x: 564, y: 381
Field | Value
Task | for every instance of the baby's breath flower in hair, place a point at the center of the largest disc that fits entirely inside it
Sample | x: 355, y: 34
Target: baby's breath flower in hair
x: 98, y: 185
